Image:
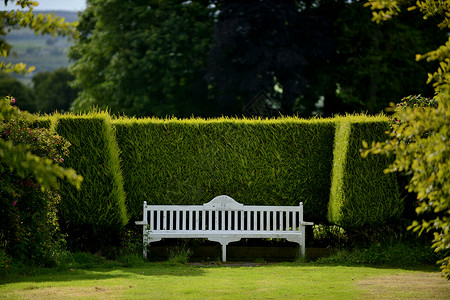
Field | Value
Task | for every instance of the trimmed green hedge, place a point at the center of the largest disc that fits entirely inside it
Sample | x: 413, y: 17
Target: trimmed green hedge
x: 271, y: 162
x: 42, y: 122
x: 361, y: 194
x: 266, y: 162
x: 99, y: 207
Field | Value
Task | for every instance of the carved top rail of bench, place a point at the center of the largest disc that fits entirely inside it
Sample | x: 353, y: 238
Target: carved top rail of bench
x: 223, y: 202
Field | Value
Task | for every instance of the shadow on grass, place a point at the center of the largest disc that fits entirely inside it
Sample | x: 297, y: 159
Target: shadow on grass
x: 145, y: 269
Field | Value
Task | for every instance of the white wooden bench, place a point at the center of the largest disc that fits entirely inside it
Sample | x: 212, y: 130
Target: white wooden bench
x: 223, y: 220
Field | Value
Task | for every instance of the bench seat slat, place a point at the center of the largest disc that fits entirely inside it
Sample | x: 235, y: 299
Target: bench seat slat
x: 242, y: 234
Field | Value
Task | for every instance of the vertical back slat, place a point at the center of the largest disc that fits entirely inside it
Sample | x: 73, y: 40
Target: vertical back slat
x: 164, y: 220
x: 216, y: 220
x: 261, y: 220
x: 281, y: 220
x: 197, y: 220
x: 203, y: 219
x: 294, y: 220
x: 158, y: 220
x: 275, y: 223
x: 229, y: 220
x: 209, y: 219
x: 150, y: 221
x: 287, y: 220
x: 255, y: 220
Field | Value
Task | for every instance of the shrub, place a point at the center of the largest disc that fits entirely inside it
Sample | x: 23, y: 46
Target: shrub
x: 5, y: 263
x: 29, y: 229
x: 179, y: 254
x: 412, y: 102
x: 421, y: 147
x: 399, y: 254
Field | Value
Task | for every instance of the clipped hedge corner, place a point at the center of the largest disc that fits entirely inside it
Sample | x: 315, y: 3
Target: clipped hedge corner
x: 98, y: 209
x: 361, y: 195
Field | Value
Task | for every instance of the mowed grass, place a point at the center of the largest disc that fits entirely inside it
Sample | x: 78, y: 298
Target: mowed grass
x: 229, y: 281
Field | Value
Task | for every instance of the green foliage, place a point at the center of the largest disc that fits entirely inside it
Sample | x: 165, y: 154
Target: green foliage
x: 97, y: 212
x: 53, y: 91
x: 361, y: 194
x: 412, y: 102
x: 179, y: 254
x: 328, y: 236
x: 87, y: 260
x: 5, y: 263
x: 400, y: 254
x: 296, y: 51
x: 421, y: 148
x: 266, y: 46
x: 368, y: 53
x: 17, y: 157
x: 421, y: 143
x: 39, y: 23
x: 158, y: 72
x: 24, y: 95
x: 265, y: 162
x: 29, y: 229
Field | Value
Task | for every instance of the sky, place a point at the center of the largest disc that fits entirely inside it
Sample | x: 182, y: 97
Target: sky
x: 73, y: 5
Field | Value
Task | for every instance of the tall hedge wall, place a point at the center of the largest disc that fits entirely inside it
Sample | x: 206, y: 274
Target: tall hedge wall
x: 273, y: 162
x: 99, y: 207
x: 268, y: 162
x: 361, y: 194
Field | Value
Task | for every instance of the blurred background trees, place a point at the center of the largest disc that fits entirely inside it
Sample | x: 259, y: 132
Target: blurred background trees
x: 144, y: 57
x: 213, y: 57
x: 209, y: 58
x: 53, y: 91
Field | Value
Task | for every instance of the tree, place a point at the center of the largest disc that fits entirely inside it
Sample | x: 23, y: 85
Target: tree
x: 23, y: 94
x: 54, y: 91
x: 357, y: 76
x: 265, y: 46
x: 18, y: 157
x: 212, y: 57
x: 143, y: 57
x: 374, y: 60
x: 421, y: 142
x: 338, y: 55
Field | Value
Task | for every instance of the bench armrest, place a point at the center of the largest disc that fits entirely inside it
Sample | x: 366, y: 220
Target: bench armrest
x: 141, y: 223
x: 307, y: 223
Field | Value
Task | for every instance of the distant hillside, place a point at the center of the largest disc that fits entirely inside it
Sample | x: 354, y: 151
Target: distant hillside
x: 46, y: 53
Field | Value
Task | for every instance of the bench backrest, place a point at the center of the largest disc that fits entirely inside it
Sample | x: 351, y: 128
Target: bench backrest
x: 225, y: 214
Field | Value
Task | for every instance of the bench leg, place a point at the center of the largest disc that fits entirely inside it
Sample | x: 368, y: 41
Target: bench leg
x: 144, y: 242
x: 302, y: 250
x: 224, y: 252
x: 224, y: 241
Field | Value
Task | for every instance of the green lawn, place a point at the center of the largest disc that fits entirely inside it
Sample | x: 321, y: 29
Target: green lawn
x: 229, y: 281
